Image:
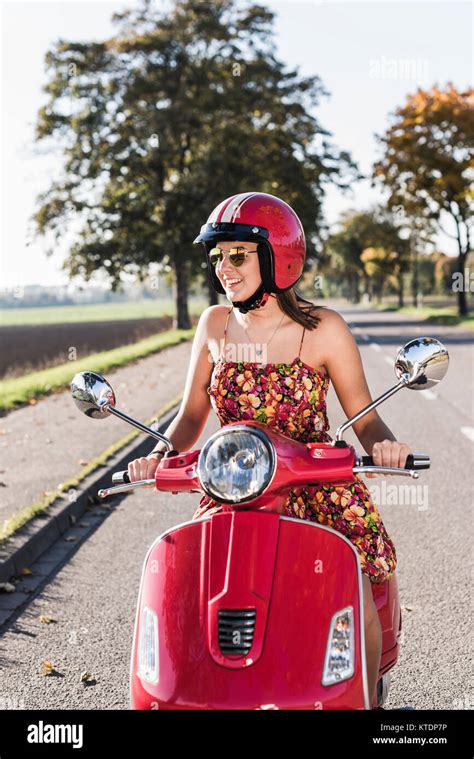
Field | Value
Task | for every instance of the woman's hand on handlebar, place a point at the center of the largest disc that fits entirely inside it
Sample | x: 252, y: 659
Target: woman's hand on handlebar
x: 389, y: 453
x: 144, y: 468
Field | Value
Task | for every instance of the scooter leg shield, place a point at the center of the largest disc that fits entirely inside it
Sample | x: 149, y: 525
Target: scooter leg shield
x: 237, y: 611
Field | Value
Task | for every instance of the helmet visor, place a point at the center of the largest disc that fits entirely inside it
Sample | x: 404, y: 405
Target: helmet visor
x: 224, y: 230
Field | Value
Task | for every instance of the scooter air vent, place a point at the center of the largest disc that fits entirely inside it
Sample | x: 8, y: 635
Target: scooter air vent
x: 236, y: 629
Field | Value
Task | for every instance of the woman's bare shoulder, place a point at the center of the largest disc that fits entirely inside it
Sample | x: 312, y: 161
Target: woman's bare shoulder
x: 331, y: 329
x: 215, y: 318
x: 329, y: 317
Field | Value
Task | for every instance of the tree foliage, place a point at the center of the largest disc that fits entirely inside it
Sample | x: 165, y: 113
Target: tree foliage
x: 428, y: 161
x: 164, y: 120
x: 376, y: 231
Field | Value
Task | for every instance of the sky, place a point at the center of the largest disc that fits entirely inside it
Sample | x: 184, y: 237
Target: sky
x: 369, y: 55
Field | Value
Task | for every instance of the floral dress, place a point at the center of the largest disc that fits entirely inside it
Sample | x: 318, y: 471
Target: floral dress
x: 291, y: 398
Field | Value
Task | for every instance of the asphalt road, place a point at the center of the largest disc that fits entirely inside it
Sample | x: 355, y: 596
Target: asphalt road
x: 92, y: 595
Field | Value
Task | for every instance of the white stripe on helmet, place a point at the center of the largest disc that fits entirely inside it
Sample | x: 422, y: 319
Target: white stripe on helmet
x: 232, y: 212
x: 215, y: 214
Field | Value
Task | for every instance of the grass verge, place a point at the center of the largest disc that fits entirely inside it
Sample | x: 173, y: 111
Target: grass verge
x: 68, y: 489
x: 444, y: 316
x: 21, y: 390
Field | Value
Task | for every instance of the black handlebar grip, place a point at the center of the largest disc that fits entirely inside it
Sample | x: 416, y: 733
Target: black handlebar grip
x: 121, y: 478
x: 411, y: 462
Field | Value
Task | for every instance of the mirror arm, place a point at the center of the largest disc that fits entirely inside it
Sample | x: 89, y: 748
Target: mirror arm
x: 121, y: 415
x: 343, y: 427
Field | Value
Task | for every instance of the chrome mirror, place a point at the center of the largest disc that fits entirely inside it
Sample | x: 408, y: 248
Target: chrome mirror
x: 422, y: 363
x: 92, y: 394
x: 419, y: 365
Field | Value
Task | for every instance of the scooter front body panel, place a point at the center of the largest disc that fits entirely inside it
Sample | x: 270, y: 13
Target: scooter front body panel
x: 244, y: 602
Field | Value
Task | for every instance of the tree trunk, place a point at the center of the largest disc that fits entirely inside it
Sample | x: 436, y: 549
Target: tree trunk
x: 401, y: 301
x: 462, y: 257
x: 379, y: 291
x: 181, y: 319
x: 367, y: 287
x: 356, y: 287
x: 414, y: 281
x: 462, y: 300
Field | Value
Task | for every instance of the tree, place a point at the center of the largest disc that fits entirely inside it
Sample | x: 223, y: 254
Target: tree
x: 166, y: 119
x: 379, y: 263
x: 428, y: 161
x: 376, y: 230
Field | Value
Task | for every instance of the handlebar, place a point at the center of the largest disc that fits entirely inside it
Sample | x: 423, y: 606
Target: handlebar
x: 363, y: 464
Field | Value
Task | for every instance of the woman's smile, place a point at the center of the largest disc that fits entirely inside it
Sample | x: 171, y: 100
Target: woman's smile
x: 232, y: 282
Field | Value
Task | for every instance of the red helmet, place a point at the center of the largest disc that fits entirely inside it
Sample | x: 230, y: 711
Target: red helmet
x: 268, y: 221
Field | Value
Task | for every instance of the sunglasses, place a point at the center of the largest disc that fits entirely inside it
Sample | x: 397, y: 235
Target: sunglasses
x: 236, y: 255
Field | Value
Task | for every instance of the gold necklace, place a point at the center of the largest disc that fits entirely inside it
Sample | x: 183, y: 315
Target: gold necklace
x: 259, y: 351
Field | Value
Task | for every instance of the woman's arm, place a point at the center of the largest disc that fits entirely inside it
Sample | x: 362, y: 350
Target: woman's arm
x: 189, y: 422
x: 344, y: 363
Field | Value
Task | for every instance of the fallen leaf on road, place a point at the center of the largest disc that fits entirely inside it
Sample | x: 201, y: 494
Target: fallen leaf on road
x: 32, y: 401
x: 6, y: 587
x: 26, y: 571
x: 46, y: 620
x: 82, y: 462
x: 47, y: 667
x: 85, y: 676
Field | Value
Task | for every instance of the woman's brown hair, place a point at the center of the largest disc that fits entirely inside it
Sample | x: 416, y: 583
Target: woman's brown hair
x: 299, y: 309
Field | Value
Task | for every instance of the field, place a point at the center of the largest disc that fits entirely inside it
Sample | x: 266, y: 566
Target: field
x: 37, y: 338
x: 145, y: 309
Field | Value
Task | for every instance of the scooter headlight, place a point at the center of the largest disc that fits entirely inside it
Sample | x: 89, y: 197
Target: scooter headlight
x: 236, y: 464
x: 339, y: 661
x: 148, y: 646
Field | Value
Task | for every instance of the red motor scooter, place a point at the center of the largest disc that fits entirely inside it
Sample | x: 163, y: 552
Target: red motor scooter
x: 249, y: 608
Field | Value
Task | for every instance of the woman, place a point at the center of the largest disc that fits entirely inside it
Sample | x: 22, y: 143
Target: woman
x: 255, y: 250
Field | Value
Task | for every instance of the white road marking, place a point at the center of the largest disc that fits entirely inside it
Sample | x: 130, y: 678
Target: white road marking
x: 468, y: 432
x: 429, y: 395
x: 358, y: 332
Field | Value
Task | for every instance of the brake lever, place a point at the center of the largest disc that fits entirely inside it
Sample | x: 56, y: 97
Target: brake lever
x: 387, y: 470
x: 125, y: 488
